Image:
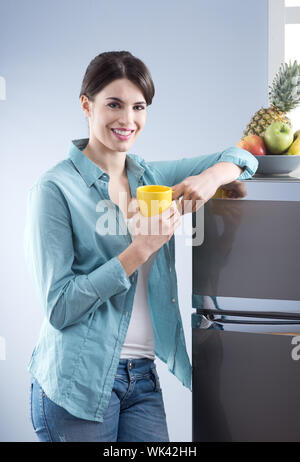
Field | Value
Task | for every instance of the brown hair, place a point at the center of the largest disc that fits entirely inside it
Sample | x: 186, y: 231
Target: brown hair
x: 112, y: 65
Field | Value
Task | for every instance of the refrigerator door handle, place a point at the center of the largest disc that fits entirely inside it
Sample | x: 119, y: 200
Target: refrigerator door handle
x: 215, y: 315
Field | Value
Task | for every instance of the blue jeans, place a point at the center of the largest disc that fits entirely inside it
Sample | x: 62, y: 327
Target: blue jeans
x: 135, y: 411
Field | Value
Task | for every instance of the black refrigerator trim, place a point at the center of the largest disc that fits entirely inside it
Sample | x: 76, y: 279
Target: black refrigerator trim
x: 212, y: 314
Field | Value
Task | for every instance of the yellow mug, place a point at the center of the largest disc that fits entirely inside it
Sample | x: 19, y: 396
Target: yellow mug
x: 154, y: 199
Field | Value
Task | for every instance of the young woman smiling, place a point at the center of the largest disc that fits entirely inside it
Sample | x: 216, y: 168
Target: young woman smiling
x: 110, y: 298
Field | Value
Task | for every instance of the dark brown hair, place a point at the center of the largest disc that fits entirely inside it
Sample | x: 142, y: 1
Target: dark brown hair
x: 112, y: 65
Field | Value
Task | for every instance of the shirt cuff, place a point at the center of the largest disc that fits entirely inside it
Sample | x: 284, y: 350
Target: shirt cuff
x: 109, y: 279
x: 242, y: 158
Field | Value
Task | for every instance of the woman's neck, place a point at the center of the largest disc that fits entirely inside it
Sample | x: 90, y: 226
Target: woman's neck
x: 112, y: 163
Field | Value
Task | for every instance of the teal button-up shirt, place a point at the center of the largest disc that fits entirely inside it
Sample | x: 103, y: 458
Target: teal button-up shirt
x: 82, y: 286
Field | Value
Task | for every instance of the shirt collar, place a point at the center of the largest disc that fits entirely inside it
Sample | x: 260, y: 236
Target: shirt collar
x: 90, y: 171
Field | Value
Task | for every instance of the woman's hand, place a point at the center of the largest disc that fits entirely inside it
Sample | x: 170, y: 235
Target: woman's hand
x: 196, y: 190
x: 151, y: 233
x: 235, y: 190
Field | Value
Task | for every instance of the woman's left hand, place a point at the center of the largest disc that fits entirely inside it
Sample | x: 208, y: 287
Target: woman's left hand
x: 196, y: 190
x: 235, y: 190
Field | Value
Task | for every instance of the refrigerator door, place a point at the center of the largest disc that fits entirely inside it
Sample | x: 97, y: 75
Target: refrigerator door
x: 250, y: 247
x: 246, y: 376
x: 246, y: 329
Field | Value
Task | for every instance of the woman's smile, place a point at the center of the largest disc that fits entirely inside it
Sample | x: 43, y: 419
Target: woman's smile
x: 122, y: 134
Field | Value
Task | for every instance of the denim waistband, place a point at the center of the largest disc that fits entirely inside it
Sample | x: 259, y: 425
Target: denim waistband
x: 138, y: 365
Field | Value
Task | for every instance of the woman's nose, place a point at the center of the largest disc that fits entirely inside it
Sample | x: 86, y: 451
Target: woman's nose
x: 126, y: 118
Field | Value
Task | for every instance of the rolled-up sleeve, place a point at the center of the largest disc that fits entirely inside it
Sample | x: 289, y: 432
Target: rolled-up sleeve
x: 66, y: 297
x: 171, y: 172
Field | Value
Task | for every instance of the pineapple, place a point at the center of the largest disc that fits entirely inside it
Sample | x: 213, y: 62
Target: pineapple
x: 284, y: 96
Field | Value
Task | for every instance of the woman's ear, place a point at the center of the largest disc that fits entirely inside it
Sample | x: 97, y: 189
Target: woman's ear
x: 85, y: 105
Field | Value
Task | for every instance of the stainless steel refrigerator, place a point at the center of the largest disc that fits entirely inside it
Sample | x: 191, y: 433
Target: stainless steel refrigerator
x: 246, y: 324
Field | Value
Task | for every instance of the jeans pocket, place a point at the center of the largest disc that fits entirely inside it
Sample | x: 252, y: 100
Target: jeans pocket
x: 156, y: 379
x: 30, y: 404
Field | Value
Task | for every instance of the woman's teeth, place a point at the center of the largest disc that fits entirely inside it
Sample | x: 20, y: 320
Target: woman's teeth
x: 120, y: 132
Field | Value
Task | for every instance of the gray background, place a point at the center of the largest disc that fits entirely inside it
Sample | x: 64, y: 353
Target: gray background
x: 209, y: 63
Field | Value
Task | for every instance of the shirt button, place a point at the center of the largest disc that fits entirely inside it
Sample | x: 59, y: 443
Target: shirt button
x: 173, y: 300
x: 170, y: 269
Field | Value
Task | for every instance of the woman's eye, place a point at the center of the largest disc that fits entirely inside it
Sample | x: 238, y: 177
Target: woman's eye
x: 116, y: 104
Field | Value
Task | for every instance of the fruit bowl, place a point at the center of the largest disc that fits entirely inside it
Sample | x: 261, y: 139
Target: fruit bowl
x: 277, y: 164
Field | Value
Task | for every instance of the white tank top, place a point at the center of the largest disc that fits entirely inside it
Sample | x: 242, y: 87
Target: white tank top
x: 139, y: 341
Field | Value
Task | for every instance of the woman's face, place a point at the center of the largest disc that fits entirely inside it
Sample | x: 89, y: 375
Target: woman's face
x: 120, y: 105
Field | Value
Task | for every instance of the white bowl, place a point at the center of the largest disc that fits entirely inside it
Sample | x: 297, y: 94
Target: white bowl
x: 277, y: 164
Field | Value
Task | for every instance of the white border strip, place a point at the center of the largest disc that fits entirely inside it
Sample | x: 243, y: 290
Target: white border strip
x: 292, y: 15
x: 2, y: 349
x: 277, y: 11
x: 2, y: 88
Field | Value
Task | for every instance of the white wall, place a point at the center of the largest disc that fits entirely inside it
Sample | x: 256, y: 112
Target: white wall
x: 209, y: 62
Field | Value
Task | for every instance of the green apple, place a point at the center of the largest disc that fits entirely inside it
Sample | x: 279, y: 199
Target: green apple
x: 278, y: 137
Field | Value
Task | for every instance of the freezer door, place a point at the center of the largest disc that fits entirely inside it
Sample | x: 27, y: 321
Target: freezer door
x: 250, y: 249
x: 245, y: 384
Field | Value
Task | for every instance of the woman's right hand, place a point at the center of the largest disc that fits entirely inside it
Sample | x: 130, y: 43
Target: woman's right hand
x: 151, y: 233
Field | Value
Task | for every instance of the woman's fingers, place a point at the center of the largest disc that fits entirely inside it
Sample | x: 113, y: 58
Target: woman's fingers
x: 133, y: 206
x: 170, y: 211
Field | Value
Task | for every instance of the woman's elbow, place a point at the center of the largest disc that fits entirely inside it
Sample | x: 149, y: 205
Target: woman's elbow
x: 56, y: 319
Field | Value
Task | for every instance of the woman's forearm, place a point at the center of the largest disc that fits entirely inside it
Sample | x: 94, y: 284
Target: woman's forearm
x: 132, y: 257
x: 225, y: 172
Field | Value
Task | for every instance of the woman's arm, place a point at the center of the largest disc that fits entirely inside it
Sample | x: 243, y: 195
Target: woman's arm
x: 66, y: 297
x: 225, y: 172
x: 171, y: 172
x: 132, y: 257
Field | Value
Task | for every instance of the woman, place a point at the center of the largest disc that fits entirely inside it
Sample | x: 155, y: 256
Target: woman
x: 93, y: 369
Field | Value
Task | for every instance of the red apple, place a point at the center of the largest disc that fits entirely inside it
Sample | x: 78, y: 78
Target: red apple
x: 254, y: 144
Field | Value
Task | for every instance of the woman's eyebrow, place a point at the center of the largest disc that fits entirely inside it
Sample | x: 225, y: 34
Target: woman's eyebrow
x: 118, y: 99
